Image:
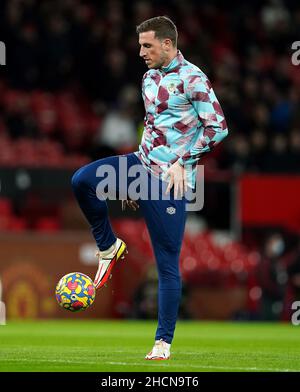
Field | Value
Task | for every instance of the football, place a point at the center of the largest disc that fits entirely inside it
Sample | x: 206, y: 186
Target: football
x: 75, y: 291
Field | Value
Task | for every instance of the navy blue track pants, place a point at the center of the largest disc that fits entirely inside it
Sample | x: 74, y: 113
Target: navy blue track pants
x: 165, y: 220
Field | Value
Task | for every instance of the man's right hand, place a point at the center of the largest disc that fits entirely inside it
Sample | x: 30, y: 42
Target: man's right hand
x: 130, y: 204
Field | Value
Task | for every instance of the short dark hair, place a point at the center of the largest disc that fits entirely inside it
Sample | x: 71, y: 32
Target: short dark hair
x: 162, y: 26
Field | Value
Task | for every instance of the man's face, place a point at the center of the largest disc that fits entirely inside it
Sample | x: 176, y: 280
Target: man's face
x: 152, y: 50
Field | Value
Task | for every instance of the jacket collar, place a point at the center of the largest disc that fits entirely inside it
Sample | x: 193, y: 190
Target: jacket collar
x: 174, y: 64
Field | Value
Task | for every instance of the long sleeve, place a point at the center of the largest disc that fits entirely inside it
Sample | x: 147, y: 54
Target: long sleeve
x: 212, y: 127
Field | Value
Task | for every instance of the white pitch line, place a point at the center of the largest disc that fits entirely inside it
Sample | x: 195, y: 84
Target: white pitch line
x: 50, y: 360
x: 168, y: 365
x: 207, y: 367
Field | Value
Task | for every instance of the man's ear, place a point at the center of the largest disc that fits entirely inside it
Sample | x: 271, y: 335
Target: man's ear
x: 167, y: 44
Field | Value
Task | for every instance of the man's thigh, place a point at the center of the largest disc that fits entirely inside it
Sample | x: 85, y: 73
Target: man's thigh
x: 165, y: 220
x: 110, y: 175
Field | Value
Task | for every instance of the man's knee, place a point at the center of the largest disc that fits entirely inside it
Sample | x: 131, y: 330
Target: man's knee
x: 169, y: 280
x: 79, y: 179
x: 169, y: 247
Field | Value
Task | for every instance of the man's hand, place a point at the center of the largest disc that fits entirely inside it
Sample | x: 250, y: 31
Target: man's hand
x: 177, y: 178
x: 130, y: 204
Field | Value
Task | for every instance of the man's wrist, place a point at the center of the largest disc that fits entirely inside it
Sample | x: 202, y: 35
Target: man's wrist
x: 181, y: 162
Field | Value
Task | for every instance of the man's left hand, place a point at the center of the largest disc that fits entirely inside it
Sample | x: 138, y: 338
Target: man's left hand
x: 133, y: 205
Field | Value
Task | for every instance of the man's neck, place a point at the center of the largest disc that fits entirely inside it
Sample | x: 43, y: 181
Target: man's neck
x: 170, y: 58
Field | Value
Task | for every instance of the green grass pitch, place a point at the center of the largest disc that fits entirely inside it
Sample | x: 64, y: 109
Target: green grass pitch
x: 120, y: 346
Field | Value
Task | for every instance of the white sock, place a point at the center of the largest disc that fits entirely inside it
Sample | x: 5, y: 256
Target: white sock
x: 108, y: 251
x: 168, y: 344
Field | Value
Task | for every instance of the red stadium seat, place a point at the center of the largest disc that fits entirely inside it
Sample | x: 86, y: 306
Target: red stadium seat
x: 47, y: 224
x: 6, y: 206
x: 17, y: 224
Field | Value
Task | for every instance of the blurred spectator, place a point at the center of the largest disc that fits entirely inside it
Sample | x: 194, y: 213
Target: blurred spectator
x: 278, y: 158
x: 57, y: 57
x: 294, y: 151
x: 274, y: 14
x: 118, y: 133
x: 272, y: 277
x: 238, y: 157
x: 258, y: 150
x: 294, y: 274
x: 145, y: 299
x: 25, y: 59
x: 261, y: 116
x: 19, y: 118
x: 86, y: 49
